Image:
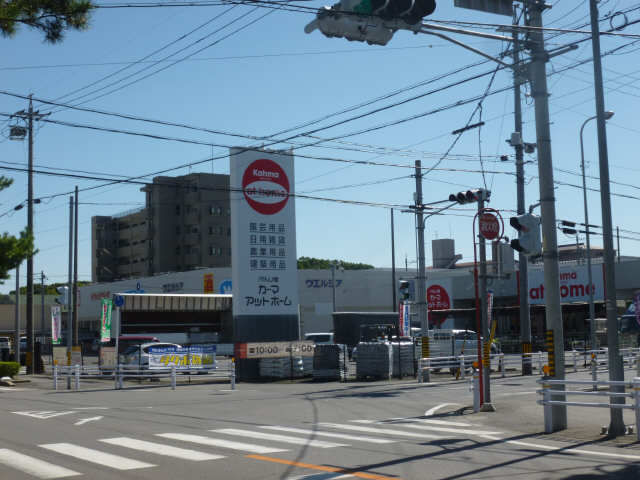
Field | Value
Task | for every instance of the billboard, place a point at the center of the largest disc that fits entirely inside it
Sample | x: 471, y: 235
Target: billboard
x: 195, y: 357
x: 574, y: 284
x: 263, y: 233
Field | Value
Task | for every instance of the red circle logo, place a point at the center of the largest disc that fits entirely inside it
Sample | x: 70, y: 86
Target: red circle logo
x: 438, y: 298
x: 265, y: 186
x: 489, y: 226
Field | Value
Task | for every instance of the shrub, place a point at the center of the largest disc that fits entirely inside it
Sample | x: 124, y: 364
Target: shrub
x: 9, y: 369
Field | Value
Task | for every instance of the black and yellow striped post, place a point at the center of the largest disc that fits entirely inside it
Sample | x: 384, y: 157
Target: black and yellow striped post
x: 550, y: 353
x: 526, y: 358
x: 425, y: 347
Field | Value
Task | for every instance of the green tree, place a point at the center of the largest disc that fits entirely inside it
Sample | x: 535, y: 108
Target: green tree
x: 310, y: 263
x: 51, y: 17
x: 13, y: 250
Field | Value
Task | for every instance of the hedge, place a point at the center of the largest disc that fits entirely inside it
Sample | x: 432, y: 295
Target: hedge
x: 9, y: 369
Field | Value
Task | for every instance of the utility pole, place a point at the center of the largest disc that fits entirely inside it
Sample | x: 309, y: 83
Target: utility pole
x: 16, y: 345
x: 553, y: 309
x: 42, y: 304
x: 30, y: 353
x: 421, y: 288
x: 70, y: 284
x: 616, y: 372
x: 482, y: 282
x: 393, y: 267
x: 523, y: 266
x: 75, y: 272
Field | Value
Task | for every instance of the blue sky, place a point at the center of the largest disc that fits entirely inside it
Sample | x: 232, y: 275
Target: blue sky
x: 271, y: 76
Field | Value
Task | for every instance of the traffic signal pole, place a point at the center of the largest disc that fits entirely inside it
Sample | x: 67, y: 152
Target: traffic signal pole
x: 523, y: 278
x: 540, y: 94
x: 482, y: 282
x: 29, y: 354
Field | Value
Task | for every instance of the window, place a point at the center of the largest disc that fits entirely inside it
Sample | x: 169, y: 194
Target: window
x: 211, y: 250
x: 177, y: 209
x: 210, y: 230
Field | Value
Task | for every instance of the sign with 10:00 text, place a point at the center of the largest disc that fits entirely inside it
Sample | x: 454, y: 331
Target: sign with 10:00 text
x: 263, y: 233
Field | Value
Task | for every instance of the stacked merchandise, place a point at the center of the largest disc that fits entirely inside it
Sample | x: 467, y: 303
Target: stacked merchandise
x: 374, y: 360
x: 406, y: 362
x: 329, y: 362
x: 281, y: 367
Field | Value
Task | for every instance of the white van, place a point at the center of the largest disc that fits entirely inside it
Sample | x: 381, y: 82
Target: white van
x: 320, y: 338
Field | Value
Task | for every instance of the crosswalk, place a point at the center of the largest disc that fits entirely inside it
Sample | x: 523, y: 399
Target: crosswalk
x: 118, y: 453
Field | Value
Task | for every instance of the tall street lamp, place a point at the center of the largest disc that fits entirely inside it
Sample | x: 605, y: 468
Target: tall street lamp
x: 592, y: 328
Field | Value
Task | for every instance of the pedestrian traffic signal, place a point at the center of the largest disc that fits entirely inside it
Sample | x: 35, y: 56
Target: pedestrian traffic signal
x: 470, y: 196
x: 528, y: 241
x: 371, y: 21
x: 63, y: 299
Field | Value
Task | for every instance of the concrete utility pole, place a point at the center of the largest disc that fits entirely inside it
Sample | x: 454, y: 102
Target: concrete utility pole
x: 523, y: 266
x: 482, y: 283
x: 421, y: 287
x: 30, y: 353
x: 75, y: 272
x: 70, y: 285
x: 16, y: 346
x: 394, y: 300
x: 616, y: 372
x: 42, y: 324
x: 540, y: 94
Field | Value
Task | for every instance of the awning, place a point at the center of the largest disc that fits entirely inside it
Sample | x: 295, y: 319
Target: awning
x: 166, y: 302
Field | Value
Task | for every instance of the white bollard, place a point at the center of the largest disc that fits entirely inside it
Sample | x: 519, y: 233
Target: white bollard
x: 502, y: 368
x: 476, y: 392
x: 77, y: 375
x: 548, y: 409
x: 173, y: 377
x: 55, y: 377
x: 636, y: 393
x: 233, y: 378
x: 462, y: 366
x: 575, y: 361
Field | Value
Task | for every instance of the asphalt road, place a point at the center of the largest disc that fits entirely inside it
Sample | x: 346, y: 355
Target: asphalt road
x: 380, y: 430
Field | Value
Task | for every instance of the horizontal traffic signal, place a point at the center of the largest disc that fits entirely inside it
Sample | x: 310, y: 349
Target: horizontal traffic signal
x: 470, y: 196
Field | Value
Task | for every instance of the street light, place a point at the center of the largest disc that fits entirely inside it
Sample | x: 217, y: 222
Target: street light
x: 592, y: 328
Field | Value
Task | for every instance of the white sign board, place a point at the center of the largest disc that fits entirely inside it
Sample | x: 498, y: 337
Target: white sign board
x: 574, y: 284
x: 263, y: 233
x: 276, y: 349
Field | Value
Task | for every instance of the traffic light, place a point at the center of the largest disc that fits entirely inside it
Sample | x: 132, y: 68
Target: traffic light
x: 371, y: 21
x: 528, y: 241
x: 404, y: 290
x: 63, y: 299
x: 470, y: 196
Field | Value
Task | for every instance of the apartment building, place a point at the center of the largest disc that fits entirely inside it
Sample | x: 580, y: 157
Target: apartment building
x: 185, y: 224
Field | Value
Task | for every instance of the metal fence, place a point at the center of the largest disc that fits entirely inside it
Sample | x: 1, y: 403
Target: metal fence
x: 75, y: 373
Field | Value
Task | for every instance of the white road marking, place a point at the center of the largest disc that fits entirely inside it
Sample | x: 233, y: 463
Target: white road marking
x: 161, y: 449
x: 43, y: 415
x: 279, y: 438
x: 431, y: 411
x: 330, y: 434
x: 562, y: 450
x: 33, y: 466
x: 463, y: 431
x: 388, y: 431
x: 418, y: 420
x: 96, y: 456
x: 91, y: 419
x: 11, y: 389
x: 218, y: 442
x: 92, y: 408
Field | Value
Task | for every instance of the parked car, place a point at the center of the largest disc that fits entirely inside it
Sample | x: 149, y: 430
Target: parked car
x: 5, y: 342
x: 137, y: 356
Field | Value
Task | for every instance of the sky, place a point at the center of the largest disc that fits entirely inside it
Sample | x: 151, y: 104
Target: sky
x: 252, y: 72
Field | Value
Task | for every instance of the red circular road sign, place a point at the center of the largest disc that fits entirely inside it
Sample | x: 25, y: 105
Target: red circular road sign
x: 438, y: 298
x: 265, y: 186
x: 489, y: 226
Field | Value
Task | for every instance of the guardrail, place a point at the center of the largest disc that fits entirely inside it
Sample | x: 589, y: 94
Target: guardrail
x: 74, y: 373
x: 594, y: 360
x: 549, y: 393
